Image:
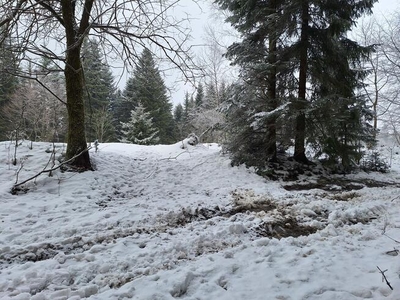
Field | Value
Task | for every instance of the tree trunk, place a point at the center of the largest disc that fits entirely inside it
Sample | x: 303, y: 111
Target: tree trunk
x: 76, y: 113
x: 272, y: 102
x: 76, y: 139
x: 375, y: 103
x: 299, y: 146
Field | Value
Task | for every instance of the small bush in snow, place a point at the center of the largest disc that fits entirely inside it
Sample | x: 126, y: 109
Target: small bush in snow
x: 373, y: 162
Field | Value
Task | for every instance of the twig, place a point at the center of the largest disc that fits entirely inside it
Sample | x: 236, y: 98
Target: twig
x: 398, y: 242
x: 384, y: 277
x: 395, y: 198
x: 51, y: 159
x: 199, y: 164
x: 175, y: 157
x: 51, y: 169
x: 139, y: 159
x: 19, y: 170
x: 152, y: 172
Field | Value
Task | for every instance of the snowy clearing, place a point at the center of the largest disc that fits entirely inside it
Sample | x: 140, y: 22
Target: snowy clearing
x: 162, y: 222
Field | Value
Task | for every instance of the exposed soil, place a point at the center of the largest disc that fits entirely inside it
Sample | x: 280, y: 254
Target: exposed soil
x: 338, y: 184
x: 284, y: 228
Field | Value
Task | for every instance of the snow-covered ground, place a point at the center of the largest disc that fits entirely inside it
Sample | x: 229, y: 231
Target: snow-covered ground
x: 159, y: 222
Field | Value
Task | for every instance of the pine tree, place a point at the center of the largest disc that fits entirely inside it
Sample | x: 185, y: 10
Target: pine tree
x: 8, y: 84
x: 246, y: 138
x: 99, y: 92
x: 211, y: 97
x: 262, y: 25
x: 147, y: 86
x: 179, y: 122
x: 199, y: 99
x: 289, y: 46
x: 340, y: 127
x: 140, y: 128
x: 178, y: 113
x: 324, y: 51
x: 188, y: 108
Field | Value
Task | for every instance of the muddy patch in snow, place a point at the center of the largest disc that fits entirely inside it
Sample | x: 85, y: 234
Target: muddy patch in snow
x: 77, y: 244
x: 338, y: 184
x: 283, y: 228
x: 243, y: 202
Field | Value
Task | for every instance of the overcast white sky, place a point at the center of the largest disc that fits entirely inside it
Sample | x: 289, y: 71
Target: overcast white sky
x: 386, y: 6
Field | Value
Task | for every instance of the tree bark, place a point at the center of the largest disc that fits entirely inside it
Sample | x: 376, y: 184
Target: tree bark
x: 76, y: 139
x: 272, y: 101
x: 299, y: 147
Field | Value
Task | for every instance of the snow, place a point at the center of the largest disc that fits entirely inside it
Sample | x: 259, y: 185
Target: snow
x: 162, y: 222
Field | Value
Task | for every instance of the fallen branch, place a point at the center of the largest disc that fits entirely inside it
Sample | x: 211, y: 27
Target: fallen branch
x: 139, y: 159
x: 152, y: 172
x: 49, y: 170
x: 398, y: 242
x: 395, y: 198
x: 175, y: 157
x: 198, y: 165
x: 384, y: 277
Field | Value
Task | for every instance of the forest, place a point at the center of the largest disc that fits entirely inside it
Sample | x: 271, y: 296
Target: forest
x: 271, y: 170
x: 318, y: 79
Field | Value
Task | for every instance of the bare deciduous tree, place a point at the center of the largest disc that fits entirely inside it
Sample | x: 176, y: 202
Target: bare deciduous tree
x: 56, y: 30
x: 103, y: 124
x: 370, y: 33
x: 381, y: 86
x: 391, y: 49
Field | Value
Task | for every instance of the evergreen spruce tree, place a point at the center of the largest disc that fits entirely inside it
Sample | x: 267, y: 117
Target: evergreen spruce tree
x: 120, y: 111
x: 246, y: 136
x: 199, y: 99
x: 178, y: 113
x: 211, y: 97
x: 262, y: 61
x: 140, y: 128
x: 124, y: 104
x: 147, y: 86
x: 324, y: 52
x: 99, y: 93
x: 8, y: 84
x: 189, y: 112
x: 179, y: 121
x: 288, y: 47
x: 188, y: 108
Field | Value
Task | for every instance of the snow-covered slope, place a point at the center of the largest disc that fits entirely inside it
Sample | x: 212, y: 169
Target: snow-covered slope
x: 160, y: 222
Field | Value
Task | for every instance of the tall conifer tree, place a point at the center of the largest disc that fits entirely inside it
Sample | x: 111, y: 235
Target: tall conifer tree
x: 8, y: 83
x: 290, y: 48
x: 100, y: 92
x: 147, y: 86
x: 199, y: 99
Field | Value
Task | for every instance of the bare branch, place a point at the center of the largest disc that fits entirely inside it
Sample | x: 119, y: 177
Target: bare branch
x: 52, y: 11
x: 384, y: 278
x: 14, y: 13
x: 14, y: 188
x: 87, y: 9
